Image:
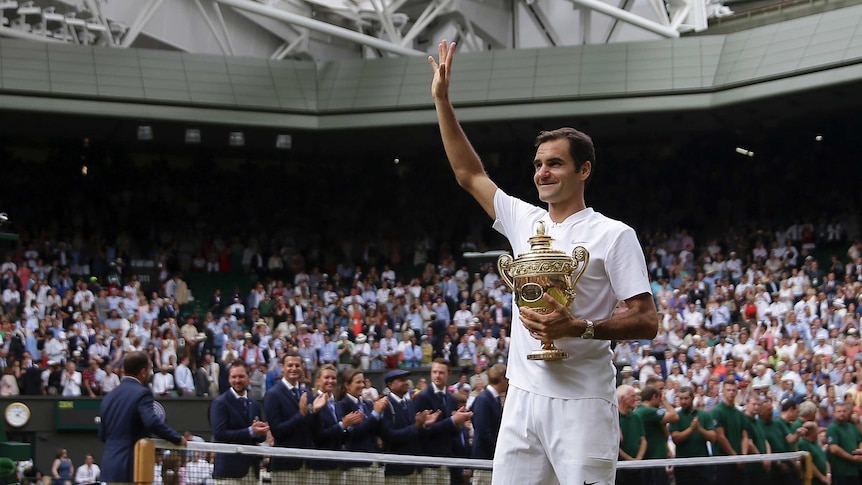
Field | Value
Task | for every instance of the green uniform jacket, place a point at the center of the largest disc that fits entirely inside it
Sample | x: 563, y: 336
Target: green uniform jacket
x: 695, y: 445
x: 655, y: 432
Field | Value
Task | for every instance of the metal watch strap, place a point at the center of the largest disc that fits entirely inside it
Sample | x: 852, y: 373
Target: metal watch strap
x: 590, y: 331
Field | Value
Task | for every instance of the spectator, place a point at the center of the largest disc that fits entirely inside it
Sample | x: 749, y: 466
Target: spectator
x: 62, y: 469
x: 89, y: 472
x: 185, y: 383
x: 71, y: 381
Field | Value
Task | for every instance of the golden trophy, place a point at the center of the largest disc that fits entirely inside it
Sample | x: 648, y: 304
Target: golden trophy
x: 544, y: 270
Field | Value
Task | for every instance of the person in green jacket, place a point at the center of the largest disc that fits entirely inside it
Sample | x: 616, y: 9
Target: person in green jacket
x: 730, y: 435
x: 656, y: 412
x: 809, y: 442
x: 755, y: 408
x: 691, y: 434
x: 633, y: 442
x: 843, y: 442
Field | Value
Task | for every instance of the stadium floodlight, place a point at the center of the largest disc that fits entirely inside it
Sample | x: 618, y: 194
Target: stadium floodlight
x: 283, y: 142
x: 145, y: 133
x: 193, y: 135
x: 236, y: 139
x: 744, y: 151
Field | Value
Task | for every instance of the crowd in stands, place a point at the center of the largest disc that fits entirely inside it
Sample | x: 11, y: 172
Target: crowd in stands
x: 776, y: 311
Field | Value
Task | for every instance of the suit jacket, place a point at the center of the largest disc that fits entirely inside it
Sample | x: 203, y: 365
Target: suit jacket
x: 400, y: 434
x: 327, y: 434
x: 441, y: 434
x: 203, y: 385
x: 230, y: 422
x: 126, y: 416
x: 288, y: 426
x: 487, y: 414
x: 363, y: 436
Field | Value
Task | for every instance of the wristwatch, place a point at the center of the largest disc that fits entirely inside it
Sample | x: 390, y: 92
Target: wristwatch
x: 590, y: 331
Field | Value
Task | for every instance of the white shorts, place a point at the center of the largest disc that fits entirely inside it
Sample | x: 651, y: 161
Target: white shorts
x: 548, y: 441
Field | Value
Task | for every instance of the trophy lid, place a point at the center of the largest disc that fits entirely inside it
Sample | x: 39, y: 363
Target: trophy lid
x: 540, y: 245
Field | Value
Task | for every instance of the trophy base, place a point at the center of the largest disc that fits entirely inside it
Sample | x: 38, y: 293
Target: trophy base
x: 548, y: 354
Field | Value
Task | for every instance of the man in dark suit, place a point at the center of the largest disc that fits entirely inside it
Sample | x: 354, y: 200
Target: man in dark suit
x: 361, y: 437
x: 443, y: 433
x: 329, y: 428
x: 403, y: 429
x: 291, y: 419
x: 487, y: 415
x: 235, y: 418
x: 127, y: 416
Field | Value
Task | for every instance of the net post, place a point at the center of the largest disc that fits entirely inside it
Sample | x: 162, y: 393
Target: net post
x: 807, y: 469
x: 145, y: 460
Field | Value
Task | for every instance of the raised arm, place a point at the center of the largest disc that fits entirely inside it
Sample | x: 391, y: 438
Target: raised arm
x: 462, y: 157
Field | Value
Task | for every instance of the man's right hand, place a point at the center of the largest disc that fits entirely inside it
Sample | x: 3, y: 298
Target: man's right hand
x: 461, y: 416
x: 380, y: 404
x: 303, y: 404
x: 442, y: 68
x: 183, y: 441
x: 259, y: 428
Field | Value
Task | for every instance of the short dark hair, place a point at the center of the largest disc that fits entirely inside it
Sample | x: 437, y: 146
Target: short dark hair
x: 292, y: 353
x: 238, y: 363
x: 135, y: 362
x: 580, y: 145
x: 648, y: 392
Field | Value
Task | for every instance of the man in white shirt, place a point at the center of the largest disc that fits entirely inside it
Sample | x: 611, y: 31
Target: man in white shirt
x: 163, y: 382
x: 389, y: 349
x: 199, y: 471
x: 541, y: 392
x: 88, y: 472
x: 463, y: 316
x: 110, y: 381
x: 71, y: 380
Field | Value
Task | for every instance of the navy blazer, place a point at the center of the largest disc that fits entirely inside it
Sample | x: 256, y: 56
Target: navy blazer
x: 230, y: 422
x: 127, y: 415
x: 288, y: 426
x: 487, y: 414
x: 327, y: 434
x: 443, y: 433
x: 363, y: 436
x: 400, y: 434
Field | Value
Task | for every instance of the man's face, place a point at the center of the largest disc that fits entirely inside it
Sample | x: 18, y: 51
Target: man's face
x: 238, y: 378
x: 399, y: 386
x: 752, y: 407
x: 439, y: 375
x: 326, y: 381
x: 292, y: 368
x: 841, y: 413
x: 728, y: 393
x: 555, y: 176
x: 685, y: 401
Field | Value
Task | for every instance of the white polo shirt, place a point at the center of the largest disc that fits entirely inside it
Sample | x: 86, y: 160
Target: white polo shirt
x: 616, y: 271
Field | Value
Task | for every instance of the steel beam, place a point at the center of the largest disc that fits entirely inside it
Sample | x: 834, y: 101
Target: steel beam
x: 629, y: 17
x: 318, y: 26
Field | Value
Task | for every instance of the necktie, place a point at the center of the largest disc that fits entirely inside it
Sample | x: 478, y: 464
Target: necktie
x: 443, y: 403
x: 245, y: 406
x: 295, y: 392
x: 331, y: 404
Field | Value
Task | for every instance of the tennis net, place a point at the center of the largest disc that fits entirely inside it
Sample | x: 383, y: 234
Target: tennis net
x: 163, y: 463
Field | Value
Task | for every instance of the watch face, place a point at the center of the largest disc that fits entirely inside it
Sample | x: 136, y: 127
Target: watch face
x: 17, y: 414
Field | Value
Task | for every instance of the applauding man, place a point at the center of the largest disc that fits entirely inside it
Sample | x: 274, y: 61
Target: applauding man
x: 235, y: 418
